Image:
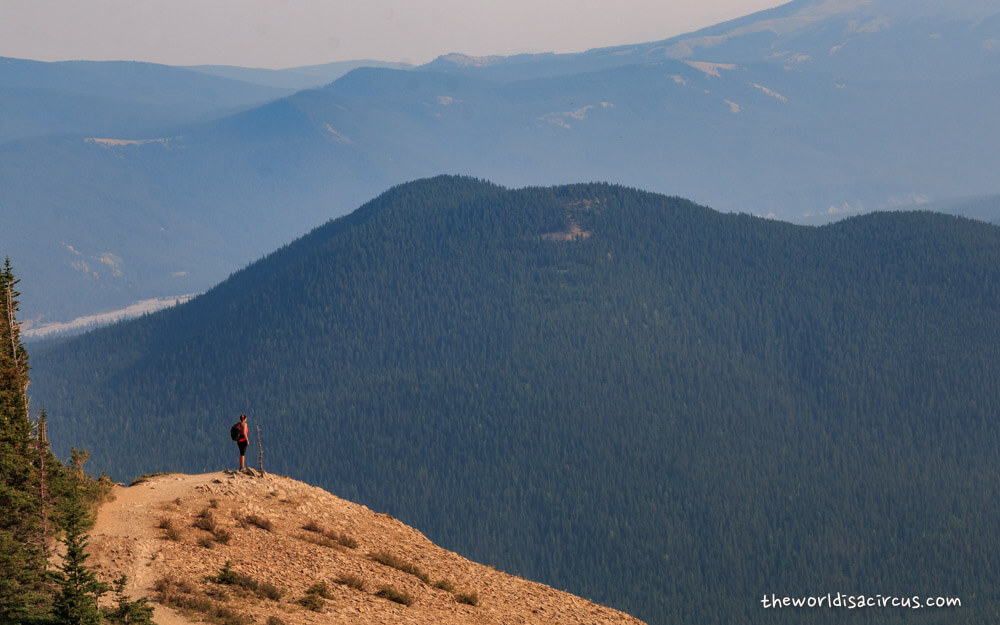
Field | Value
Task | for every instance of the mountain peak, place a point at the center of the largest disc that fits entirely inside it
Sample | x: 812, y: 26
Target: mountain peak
x: 172, y: 533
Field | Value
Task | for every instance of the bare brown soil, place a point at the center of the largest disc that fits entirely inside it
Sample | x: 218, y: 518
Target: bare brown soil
x: 574, y: 232
x: 128, y: 539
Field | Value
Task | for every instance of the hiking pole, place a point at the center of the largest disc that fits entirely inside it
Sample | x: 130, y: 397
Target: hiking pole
x: 260, y: 452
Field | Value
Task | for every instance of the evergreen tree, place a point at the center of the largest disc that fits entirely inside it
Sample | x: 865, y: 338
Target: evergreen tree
x: 126, y: 611
x: 49, y: 472
x: 22, y: 558
x: 79, y: 590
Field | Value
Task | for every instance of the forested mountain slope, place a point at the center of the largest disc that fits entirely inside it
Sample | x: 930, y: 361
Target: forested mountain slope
x: 654, y: 405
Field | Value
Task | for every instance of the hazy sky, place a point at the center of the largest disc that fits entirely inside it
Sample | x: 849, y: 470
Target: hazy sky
x: 286, y: 33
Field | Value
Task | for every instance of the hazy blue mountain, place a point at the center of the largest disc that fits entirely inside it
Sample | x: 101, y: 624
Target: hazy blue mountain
x: 857, y: 39
x: 297, y: 78
x: 811, y: 109
x: 117, y: 97
x: 661, y: 407
x: 883, y: 40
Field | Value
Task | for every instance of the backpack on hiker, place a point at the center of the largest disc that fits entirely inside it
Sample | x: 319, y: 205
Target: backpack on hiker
x: 236, y: 431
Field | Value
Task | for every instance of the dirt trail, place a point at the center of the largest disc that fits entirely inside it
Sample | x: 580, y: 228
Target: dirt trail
x: 314, y: 537
x: 124, y: 541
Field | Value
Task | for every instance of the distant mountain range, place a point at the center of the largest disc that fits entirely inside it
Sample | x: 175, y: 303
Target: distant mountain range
x: 807, y: 112
x: 297, y: 78
x: 666, y: 409
x: 132, y: 99
x: 118, y: 99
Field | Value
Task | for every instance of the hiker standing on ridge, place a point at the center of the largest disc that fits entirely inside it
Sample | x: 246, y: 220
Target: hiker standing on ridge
x: 242, y: 439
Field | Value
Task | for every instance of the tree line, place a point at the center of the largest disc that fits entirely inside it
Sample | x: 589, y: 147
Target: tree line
x: 42, y: 501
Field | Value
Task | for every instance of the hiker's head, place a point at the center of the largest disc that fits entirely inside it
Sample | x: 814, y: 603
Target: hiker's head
x: 243, y: 417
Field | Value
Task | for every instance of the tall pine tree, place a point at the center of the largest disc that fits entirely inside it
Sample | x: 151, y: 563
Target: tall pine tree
x: 22, y: 558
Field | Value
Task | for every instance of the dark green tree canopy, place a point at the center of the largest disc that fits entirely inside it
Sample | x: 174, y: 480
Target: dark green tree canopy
x: 22, y: 558
x: 38, y: 498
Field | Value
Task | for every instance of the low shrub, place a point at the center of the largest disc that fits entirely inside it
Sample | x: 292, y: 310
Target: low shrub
x: 342, y: 539
x: 444, y: 585
x: 319, y: 539
x: 206, y: 542
x: 312, y: 602
x: 321, y: 589
x: 327, y: 538
x: 198, y: 603
x: 229, y: 577
x: 222, y: 535
x: 470, y: 598
x: 185, y: 596
x: 218, y: 593
x: 383, y: 557
x: 313, y: 526
x: 267, y: 590
x: 259, y: 521
x: 205, y: 521
x: 390, y: 593
x: 181, y: 594
x: 229, y: 616
x: 164, y: 588
x: 351, y: 581
x: 170, y: 531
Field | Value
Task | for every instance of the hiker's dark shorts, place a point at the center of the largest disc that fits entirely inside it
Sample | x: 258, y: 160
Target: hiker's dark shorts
x: 243, y: 447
